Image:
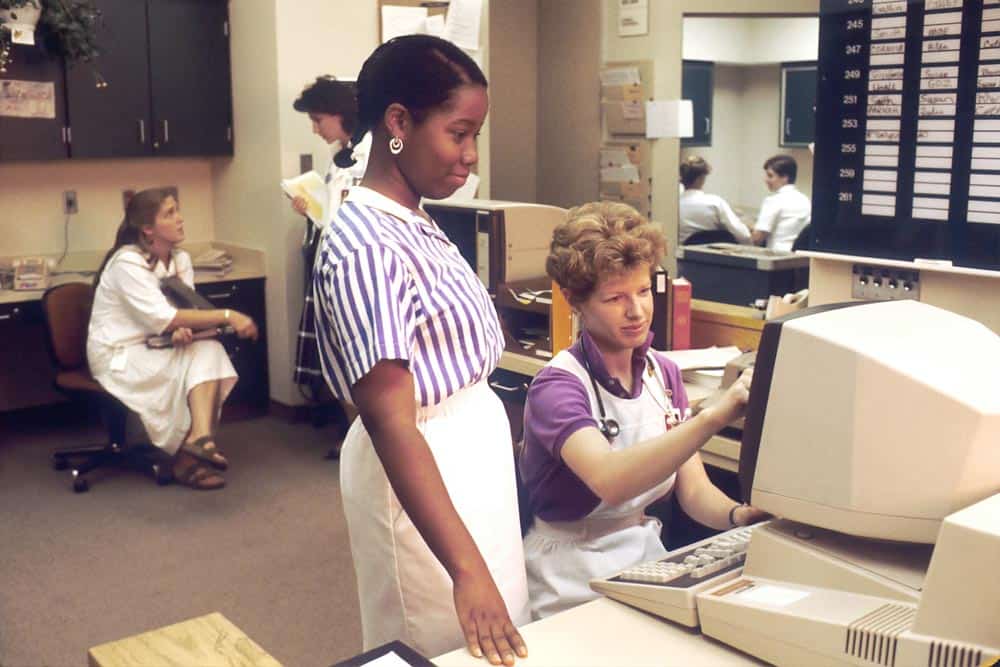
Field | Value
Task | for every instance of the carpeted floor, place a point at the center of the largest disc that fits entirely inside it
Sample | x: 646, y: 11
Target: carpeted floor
x: 269, y: 551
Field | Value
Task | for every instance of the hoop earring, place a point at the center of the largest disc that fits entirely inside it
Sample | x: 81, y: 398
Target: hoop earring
x: 395, y: 145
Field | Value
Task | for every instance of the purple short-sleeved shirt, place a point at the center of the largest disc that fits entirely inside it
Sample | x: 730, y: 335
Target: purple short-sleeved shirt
x: 558, y: 406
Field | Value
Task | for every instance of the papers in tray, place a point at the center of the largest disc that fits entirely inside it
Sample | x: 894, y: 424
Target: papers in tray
x: 705, y: 358
x: 311, y: 187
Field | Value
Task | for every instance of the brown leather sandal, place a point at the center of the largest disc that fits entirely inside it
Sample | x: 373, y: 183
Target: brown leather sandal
x: 197, y: 476
x: 212, y: 457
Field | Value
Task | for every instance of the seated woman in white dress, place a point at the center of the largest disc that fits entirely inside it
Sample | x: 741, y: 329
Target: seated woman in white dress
x: 700, y: 211
x: 178, y: 391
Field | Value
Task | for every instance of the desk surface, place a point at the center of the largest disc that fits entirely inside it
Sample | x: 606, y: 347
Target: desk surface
x: 79, y: 267
x: 206, y: 640
x: 605, y: 632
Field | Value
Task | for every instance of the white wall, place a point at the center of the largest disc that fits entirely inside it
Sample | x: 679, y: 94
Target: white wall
x: 279, y: 46
x: 750, y: 41
x: 663, y: 45
x: 31, y: 210
x: 729, y: 133
x: 761, y: 101
x: 745, y: 132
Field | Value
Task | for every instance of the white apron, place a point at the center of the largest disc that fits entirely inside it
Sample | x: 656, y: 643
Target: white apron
x: 563, y: 556
x: 405, y: 592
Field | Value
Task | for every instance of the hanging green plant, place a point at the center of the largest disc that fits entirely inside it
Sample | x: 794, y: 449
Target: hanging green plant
x: 67, y: 27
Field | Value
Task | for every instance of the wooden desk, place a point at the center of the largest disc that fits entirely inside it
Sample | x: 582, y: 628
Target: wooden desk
x: 722, y: 324
x: 605, y: 632
x: 206, y: 641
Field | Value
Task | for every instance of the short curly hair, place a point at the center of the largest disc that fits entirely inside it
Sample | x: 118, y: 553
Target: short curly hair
x: 599, y: 240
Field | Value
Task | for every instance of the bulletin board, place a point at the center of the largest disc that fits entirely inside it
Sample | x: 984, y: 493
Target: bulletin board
x: 434, y: 7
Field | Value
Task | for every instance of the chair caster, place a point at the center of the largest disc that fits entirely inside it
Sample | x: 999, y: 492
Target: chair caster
x: 59, y: 463
x: 162, y: 474
x: 80, y: 485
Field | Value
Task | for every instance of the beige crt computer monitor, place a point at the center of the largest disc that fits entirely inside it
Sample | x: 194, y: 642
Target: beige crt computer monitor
x: 873, y: 419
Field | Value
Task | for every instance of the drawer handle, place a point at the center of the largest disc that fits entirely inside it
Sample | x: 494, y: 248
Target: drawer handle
x: 221, y: 295
x: 6, y: 316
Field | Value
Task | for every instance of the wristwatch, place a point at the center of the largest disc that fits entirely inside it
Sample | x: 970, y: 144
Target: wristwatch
x: 732, y: 514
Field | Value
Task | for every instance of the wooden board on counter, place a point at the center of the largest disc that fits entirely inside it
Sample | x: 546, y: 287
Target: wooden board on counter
x: 722, y: 324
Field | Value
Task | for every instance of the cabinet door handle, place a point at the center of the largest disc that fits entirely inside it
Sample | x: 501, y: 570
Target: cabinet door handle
x: 708, y: 125
x: 788, y: 127
x: 221, y: 295
x: 142, y: 131
x: 166, y: 132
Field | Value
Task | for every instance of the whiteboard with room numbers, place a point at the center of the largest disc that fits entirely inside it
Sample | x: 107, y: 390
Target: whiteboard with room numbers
x: 907, y: 156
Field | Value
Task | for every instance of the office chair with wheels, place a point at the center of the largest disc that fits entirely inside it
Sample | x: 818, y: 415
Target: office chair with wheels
x: 66, y: 310
x: 710, y: 236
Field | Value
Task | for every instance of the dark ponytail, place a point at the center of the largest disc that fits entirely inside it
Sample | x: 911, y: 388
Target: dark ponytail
x: 139, y: 213
x: 418, y: 71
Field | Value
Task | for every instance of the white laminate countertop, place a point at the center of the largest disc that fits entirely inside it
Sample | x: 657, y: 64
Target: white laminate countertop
x: 80, y: 267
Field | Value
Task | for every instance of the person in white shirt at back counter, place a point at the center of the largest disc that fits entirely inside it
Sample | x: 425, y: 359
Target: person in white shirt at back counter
x: 703, y: 212
x: 784, y: 213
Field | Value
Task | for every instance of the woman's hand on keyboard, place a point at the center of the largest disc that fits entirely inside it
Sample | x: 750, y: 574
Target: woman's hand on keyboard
x: 181, y: 336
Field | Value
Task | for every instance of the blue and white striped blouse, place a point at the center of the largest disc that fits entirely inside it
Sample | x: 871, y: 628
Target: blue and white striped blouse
x: 390, y: 285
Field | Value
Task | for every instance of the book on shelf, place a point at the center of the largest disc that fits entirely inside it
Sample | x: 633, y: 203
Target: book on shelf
x: 680, y: 324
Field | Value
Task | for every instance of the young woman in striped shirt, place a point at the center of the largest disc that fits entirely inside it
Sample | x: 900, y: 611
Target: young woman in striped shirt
x: 408, y: 334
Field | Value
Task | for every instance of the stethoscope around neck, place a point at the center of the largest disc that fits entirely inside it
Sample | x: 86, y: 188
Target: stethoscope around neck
x: 609, y: 428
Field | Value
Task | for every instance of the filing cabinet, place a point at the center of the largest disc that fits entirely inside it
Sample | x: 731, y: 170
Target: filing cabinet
x: 28, y: 375
x: 252, y: 392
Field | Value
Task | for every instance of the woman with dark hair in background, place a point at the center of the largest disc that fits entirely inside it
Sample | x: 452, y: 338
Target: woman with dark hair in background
x: 177, y: 392
x: 409, y: 335
x: 333, y: 109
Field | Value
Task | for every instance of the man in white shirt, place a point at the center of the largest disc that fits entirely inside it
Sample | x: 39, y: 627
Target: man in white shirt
x: 702, y: 212
x: 785, y: 213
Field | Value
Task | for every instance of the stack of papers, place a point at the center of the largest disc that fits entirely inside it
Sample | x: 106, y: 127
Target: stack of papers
x: 706, y: 358
x: 215, y: 260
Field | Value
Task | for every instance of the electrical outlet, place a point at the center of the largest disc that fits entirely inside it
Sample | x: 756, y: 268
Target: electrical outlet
x: 70, y: 203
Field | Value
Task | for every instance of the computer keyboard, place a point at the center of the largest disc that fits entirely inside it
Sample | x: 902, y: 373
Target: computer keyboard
x: 668, y: 587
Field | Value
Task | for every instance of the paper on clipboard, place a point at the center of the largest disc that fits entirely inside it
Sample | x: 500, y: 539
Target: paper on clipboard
x: 311, y: 187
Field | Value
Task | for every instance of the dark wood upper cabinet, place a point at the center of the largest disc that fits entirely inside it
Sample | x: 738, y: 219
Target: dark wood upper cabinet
x: 697, y: 85
x: 34, y: 138
x: 798, y: 103
x: 169, y: 87
x: 113, y: 121
x: 190, y: 77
